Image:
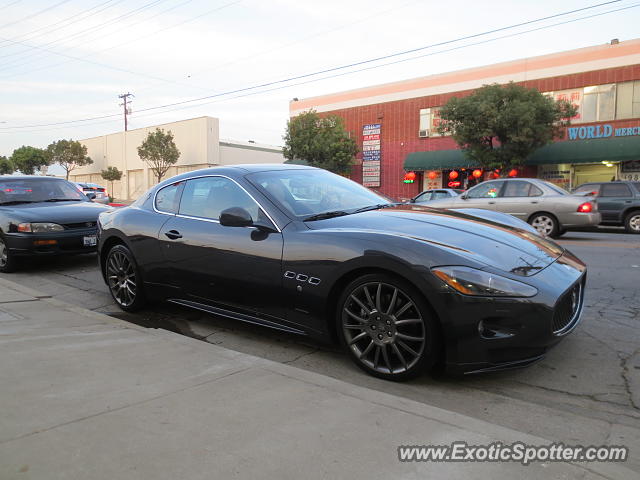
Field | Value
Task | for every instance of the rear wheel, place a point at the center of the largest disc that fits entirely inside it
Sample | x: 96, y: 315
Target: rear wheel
x: 546, y: 225
x: 7, y: 259
x: 123, y: 279
x: 386, y: 327
x: 632, y: 222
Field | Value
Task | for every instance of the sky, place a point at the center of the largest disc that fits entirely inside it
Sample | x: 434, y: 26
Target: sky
x: 67, y: 60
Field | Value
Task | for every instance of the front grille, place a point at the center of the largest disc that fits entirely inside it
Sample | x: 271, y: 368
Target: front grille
x: 567, y: 311
x: 79, y: 226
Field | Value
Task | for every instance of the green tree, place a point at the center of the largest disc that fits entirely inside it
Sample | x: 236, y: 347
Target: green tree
x: 501, y: 125
x: 159, y: 152
x: 111, y: 174
x: 6, y: 166
x: 29, y: 159
x: 69, y: 154
x: 319, y: 141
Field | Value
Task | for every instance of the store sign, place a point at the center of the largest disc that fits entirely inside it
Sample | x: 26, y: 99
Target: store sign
x: 557, y: 174
x: 600, y: 131
x: 371, y: 157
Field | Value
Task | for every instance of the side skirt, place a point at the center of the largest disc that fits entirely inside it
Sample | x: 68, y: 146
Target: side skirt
x: 236, y: 316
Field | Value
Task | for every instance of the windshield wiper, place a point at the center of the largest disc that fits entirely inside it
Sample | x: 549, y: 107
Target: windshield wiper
x: 325, y: 215
x: 63, y: 200
x: 374, y: 207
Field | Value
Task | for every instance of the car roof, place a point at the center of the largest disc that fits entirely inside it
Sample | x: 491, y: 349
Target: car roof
x: 29, y: 177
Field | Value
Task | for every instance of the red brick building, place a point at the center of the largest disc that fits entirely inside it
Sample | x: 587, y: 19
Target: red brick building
x: 395, y: 123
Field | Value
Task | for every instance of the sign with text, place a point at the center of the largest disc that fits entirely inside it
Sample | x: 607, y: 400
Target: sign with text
x: 371, y: 157
x: 600, y: 131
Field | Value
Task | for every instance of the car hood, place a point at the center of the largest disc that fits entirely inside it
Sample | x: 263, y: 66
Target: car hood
x: 62, y: 212
x: 489, y: 242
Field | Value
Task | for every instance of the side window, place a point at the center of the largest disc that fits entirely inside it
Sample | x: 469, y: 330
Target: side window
x: 593, y: 187
x: 206, y: 197
x: 168, y: 198
x: 438, y: 195
x: 424, y: 197
x: 615, y: 190
x: 517, y: 188
x: 535, y: 191
x: 485, y: 190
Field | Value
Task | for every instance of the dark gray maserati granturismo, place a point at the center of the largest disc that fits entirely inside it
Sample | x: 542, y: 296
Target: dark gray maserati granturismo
x: 402, y: 287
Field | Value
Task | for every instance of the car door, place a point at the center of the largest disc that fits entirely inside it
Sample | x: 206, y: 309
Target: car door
x: 519, y: 198
x: 481, y: 196
x: 613, y: 199
x: 235, y: 268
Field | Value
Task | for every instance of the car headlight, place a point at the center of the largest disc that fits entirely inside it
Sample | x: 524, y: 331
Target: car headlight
x: 40, y: 227
x: 471, y: 281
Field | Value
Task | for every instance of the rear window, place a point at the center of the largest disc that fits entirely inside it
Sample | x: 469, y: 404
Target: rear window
x: 615, y: 190
x: 38, y: 190
x: 556, y: 188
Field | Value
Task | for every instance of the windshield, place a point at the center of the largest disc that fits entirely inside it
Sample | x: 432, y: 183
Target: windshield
x: 37, y: 190
x: 305, y: 193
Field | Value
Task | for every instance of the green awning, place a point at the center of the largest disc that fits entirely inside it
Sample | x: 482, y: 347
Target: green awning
x: 616, y: 149
x: 594, y: 150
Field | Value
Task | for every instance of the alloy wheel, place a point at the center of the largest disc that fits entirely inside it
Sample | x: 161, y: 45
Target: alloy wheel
x: 121, y: 277
x: 634, y: 223
x: 383, y: 328
x: 4, y: 254
x: 543, y: 224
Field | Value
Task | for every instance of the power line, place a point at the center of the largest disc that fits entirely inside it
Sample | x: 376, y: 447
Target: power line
x: 84, y: 58
x: 30, y: 35
x: 343, y: 67
x: 90, y: 29
x: 10, y: 4
x: 33, y: 14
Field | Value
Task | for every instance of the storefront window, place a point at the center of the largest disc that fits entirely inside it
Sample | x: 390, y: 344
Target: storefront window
x: 628, y: 100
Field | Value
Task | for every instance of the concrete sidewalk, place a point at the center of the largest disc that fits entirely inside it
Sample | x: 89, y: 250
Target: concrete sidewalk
x: 86, y: 396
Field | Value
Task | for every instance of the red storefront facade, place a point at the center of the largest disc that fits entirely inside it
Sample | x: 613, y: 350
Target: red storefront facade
x: 603, y: 80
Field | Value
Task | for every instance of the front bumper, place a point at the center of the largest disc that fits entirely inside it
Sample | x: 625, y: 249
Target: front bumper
x: 67, y: 242
x: 487, y: 334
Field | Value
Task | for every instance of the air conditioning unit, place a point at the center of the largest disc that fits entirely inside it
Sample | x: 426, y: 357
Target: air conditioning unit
x: 423, y: 133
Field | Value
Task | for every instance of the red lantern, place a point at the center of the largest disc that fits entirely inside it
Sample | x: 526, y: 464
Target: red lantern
x: 495, y: 175
x: 453, y: 175
x: 410, y: 176
x: 477, y: 173
x: 432, y: 175
x: 513, y: 172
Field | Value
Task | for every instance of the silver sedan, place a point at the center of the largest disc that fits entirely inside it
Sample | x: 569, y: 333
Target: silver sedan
x: 548, y: 208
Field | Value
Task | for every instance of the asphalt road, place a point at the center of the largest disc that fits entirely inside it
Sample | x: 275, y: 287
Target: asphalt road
x: 586, y: 391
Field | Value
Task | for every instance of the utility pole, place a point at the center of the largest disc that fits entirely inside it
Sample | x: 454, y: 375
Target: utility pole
x: 125, y: 104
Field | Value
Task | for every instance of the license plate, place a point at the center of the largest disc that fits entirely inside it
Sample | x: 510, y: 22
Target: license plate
x: 90, y: 241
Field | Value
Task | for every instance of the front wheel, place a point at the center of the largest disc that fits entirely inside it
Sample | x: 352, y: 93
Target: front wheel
x: 632, y: 222
x: 545, y: 224
x: 123, y: 279
x: 386, y: 327
x: 7, y: 259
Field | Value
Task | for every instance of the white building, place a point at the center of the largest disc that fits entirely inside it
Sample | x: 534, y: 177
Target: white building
x: 199, y: 144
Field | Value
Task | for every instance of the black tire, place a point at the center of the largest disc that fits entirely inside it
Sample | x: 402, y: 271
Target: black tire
x: 388, y: 335
x: 8, y: 261
x: 123, y: 279
x: 546, y: 224
x: 632, y: 222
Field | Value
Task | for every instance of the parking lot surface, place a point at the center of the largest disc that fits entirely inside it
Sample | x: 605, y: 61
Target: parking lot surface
x: 586, y: 391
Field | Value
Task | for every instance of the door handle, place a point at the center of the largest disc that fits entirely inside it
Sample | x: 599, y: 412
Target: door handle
x: 491, y: 203
x: 173, y: 234
x: 627, y: 201
x: 534, y: 201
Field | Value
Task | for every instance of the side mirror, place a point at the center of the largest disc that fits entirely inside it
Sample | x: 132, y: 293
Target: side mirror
x: 91, y: 196
x: 235, y: 217
x: 412, y: 200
